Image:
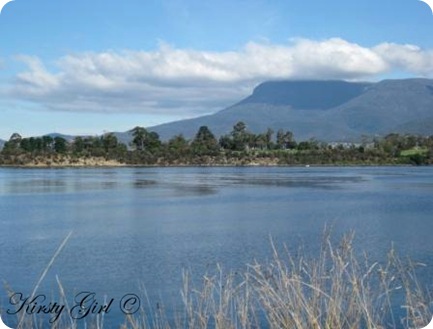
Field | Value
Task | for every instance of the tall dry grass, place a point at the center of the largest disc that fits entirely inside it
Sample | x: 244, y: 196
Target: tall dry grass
x: 337, y: 289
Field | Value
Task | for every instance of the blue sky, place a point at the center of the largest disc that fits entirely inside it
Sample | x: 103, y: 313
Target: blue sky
x: 85, y: 67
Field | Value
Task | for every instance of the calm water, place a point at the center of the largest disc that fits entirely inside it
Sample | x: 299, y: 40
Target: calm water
x: 135, y: 228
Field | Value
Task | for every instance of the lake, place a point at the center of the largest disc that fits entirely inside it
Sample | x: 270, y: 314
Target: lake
x: 135, y: 230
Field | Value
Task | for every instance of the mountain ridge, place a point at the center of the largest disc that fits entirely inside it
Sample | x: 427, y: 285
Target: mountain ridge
x: 330, y: 110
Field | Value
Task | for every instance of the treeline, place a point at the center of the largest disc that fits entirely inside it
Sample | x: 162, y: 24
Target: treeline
x: 239, y: 147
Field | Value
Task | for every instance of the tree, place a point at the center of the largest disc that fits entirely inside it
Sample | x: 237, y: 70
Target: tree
x: 26, y: 145
x: 60, y: 145
x: 239, y: 128
x: 78, y: 145
x: 285, y: 140
x: 269, y: 143
x: 226, y: 142
x: 32, y: 144
x: 47, y: 143
x: 15, y: 137
x: 139, y: 134
x: 152, y: 142
x: 261, y: 141
x: 109, y: 142
x: 241, y: 138
x: 144, y: 140
x: 204, y: 142
x: 178, y: 145
x: 13, y: 144
x: 392, y: 144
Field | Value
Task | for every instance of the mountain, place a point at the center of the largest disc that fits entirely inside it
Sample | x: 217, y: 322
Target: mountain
x: 326, y: 110
x: 305, y: 95
x: 2, y: 143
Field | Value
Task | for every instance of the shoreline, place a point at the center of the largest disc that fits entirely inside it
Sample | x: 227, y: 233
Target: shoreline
x: 120, y: 165
x: 67, y: 161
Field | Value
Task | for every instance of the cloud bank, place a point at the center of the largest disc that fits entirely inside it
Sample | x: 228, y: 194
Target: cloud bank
x: 171, y: 81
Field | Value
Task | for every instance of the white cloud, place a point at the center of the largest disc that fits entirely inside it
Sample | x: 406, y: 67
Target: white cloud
x: 172, y: 81
x: 407, y: 57
x: 336, y: 58
x: 36, y: 81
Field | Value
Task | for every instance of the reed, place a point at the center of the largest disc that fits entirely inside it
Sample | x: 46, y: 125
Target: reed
x: 340, y: 288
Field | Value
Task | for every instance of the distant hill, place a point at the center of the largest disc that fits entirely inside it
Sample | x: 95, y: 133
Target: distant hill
x: 326, y: 110
x: 123, y: 137
x: 2, y: 143
x: 69, y: 138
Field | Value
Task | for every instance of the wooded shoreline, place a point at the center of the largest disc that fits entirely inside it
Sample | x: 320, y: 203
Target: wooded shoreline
x: 102, y: 163
x: 238, y: 148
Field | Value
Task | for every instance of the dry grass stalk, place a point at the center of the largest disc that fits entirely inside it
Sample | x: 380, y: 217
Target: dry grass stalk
x: 338, y: 289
